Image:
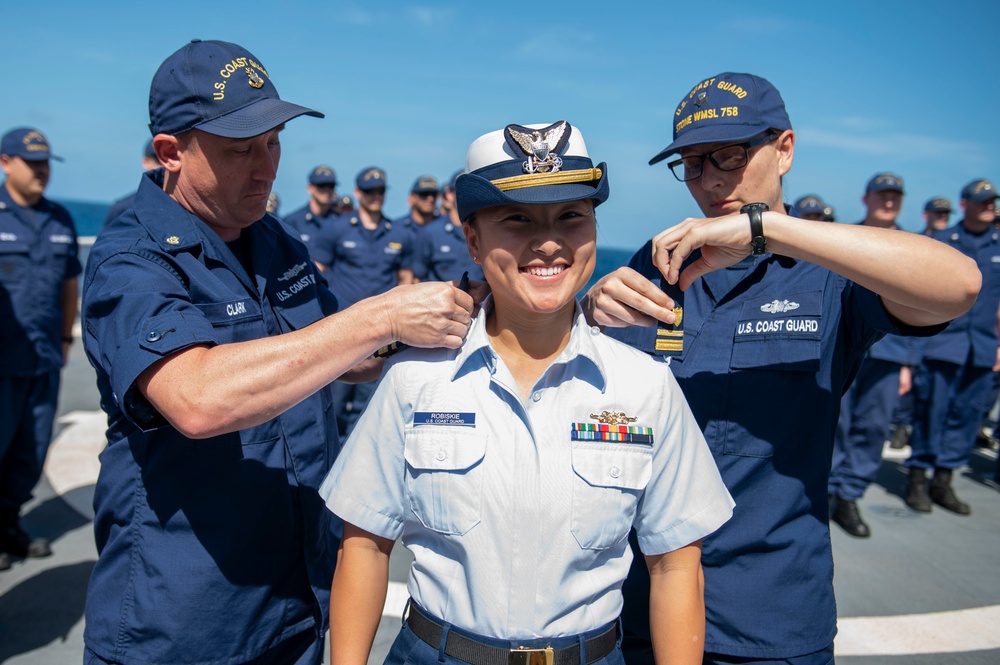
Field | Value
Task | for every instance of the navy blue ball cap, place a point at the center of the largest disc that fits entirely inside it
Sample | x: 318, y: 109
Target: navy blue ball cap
x: 809, y: 204
x: 726, y: 108
x: 979, y: 191
x: 219, y: 88
x: 322, y: 175
x: 425, y: 184
x: 27, y: 143
x: 529, y: 164
x: 370, y: 178
x: 938, y: 204
x: 884, y: 182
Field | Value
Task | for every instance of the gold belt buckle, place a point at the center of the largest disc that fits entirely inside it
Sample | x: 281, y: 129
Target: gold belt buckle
x: 522, y: 656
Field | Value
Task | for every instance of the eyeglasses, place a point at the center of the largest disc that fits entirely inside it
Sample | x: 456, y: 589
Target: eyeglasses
x: 728, y: 158
x: 376, y: 191
x: 426, y: 195
x: 330, y: 186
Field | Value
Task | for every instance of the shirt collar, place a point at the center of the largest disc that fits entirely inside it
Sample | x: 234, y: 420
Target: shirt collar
x: 581, y: 350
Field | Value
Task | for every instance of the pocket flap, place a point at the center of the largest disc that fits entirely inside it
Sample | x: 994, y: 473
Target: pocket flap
x: 622, y: 465
x: 444, y: 448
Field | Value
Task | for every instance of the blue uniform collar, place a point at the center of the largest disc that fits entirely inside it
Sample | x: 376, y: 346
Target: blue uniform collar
x: 385, y: 224
x: 175, y: 229
x: 581, y: 347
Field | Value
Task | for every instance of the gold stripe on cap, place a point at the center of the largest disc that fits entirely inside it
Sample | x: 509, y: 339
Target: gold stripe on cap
x: 539, y: 179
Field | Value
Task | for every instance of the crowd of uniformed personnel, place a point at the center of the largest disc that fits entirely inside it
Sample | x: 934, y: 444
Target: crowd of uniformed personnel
x: 170, y: 329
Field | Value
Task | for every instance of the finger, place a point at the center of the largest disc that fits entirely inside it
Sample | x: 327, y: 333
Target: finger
x: 693, y: 272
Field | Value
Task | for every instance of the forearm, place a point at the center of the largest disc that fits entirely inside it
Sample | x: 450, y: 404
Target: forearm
x: 921, y: 281
x: 677, y: 607
x: 205, y: 392
x: 357, y: 596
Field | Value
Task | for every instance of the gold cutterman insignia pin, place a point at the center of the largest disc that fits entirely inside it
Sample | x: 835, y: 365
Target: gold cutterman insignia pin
x: 173, y: 240
x: 613, y: 418
x: 255, y: 80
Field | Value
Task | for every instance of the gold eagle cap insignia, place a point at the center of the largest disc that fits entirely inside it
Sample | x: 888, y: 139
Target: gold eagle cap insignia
x: 541, y: 146
x: 613, y: 418
x: 538, y: 143
x: 255, y: 80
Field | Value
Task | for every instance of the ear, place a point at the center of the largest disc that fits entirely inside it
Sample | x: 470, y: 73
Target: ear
x: 169, y: 151
x: 785, y: 145
x: 5, y: 163
x: 962, y: 203
x: 471, y: 240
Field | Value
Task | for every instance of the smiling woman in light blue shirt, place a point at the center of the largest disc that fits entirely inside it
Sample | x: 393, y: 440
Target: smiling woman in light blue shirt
x: 514, y: 467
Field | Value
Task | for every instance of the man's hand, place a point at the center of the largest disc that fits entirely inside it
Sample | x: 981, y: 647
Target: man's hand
x: 626, y: 298
x: 724, y: 241
x: 905, y: 379
x: 430, y: 314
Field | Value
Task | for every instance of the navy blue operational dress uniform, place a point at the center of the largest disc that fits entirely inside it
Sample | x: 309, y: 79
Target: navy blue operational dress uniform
x: 362, y: 259
x: 953, y: 385
x: 439, y: 248
x: 320, y: 211
x: 39, y: 266
x: 763, y: 351
x: 217, y: 550
x: 866, y: 410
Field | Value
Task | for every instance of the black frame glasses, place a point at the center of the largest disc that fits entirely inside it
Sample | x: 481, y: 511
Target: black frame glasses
x: 727, y: 158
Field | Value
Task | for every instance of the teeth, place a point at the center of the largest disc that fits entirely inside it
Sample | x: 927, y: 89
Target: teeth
x: 545, y: 272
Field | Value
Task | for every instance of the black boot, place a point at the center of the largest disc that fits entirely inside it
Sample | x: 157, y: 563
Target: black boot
x: 917, y: 497
x: 943, y: 495
x: 845, y: 513
x: 14, y: 540
x: 899, y: 437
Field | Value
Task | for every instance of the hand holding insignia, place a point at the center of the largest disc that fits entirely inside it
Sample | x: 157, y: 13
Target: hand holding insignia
x: 626, y: 298
x: 724, y: 241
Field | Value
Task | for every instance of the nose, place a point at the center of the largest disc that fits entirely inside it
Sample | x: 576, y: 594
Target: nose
x: 711, y: 176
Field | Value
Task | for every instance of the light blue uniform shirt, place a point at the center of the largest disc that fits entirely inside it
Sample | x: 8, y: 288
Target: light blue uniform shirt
x: 517, y: 530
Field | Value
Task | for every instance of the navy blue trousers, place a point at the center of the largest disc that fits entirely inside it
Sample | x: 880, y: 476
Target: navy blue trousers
x: 866, y: 411
x: 950, y: 401
x: 27, y: 412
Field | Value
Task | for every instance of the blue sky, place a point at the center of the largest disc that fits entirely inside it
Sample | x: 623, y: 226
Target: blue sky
x: 903, y: 86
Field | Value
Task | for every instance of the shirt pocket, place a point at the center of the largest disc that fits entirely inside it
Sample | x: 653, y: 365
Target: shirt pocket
x: 15, y: 262
x: 444, y: 476
x: 608, y: 480
x: 775, y: 358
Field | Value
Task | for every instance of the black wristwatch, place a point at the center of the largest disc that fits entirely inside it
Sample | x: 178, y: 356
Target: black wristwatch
x: 757, y: 241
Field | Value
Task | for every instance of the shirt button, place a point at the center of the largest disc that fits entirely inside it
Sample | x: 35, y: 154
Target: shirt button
x: 537, y: 395
x: 152, y: 336
x: 615, y: 472
x: 594, y: 330
x: 440, y: 455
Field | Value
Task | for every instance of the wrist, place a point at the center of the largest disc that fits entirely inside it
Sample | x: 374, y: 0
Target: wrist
x: 754, y: 212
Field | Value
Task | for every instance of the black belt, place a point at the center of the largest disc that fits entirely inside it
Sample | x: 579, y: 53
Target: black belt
x: 477, y: 653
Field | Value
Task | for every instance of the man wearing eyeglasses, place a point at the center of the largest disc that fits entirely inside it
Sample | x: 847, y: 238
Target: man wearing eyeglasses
x: 318, y: 212
x: 764, y: 319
